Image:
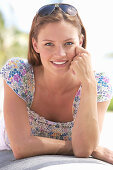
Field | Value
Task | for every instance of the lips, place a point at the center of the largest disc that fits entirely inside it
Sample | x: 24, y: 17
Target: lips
x: 59, y: 62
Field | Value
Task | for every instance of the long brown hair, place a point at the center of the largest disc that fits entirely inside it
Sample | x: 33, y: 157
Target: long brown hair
x: 38, y: 22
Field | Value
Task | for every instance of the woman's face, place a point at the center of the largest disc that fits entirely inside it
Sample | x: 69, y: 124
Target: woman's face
x: 56, y: 44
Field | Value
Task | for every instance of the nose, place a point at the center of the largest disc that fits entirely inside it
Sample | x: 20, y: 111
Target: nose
x: 60, y: 52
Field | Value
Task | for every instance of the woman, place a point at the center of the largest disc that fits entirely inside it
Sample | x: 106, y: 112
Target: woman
x: 55, y: 103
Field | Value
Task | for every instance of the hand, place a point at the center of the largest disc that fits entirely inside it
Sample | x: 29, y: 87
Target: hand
x: 81, y: 65
x: 103, y: 154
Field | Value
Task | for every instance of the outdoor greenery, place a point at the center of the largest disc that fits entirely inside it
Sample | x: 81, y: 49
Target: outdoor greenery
x: 110, y: 108
x: 14, y: 43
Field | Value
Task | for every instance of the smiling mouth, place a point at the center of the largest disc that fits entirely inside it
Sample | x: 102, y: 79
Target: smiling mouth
x: 59, y: 62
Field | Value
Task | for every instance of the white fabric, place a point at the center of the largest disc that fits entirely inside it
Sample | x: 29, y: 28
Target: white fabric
x: 3, y: 135
x: 79, y: 166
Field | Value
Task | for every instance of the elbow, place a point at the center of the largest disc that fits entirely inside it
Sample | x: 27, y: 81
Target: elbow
x: 23, y: 149
x: 20, y: 150
x: 82, y: 150
x: 82, y: 153
x: 18, y: 153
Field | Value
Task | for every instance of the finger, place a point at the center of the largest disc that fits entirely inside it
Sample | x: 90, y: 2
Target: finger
x: 83, y: 54
x: 78, y: 57
x: 82, y: 57
x: 80, y: 49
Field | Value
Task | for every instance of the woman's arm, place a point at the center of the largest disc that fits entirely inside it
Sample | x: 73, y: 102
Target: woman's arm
x: 90, y: 115
x: 18, y: 130
x: 100, y: 152
x: 103, y: 154
x: 85, y: 133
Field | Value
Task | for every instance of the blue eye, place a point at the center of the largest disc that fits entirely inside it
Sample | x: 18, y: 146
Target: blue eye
x: 48, y: 44
x: 69, y: 43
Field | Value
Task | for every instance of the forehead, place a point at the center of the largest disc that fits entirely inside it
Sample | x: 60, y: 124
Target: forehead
x: 58, y: 30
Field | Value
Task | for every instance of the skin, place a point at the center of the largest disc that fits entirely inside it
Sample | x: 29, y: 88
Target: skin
x: 57, y: 50
x: 77, y: 71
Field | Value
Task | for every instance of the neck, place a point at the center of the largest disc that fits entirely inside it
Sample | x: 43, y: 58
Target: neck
x: 58, y: 83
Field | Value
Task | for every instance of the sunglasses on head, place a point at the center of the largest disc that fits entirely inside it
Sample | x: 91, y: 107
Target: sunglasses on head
x: 48, y: 9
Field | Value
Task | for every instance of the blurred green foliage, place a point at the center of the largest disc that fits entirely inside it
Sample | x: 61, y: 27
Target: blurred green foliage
x: 13, y: 43
x: 110, y: 108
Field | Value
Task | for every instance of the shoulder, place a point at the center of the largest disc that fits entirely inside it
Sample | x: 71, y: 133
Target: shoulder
x: 104, y: 86
x: 17, y: 72
x: 16, y: 65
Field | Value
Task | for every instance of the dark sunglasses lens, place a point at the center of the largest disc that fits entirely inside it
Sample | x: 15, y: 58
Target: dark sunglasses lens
x: 69, y: 9
x: 46, y: 10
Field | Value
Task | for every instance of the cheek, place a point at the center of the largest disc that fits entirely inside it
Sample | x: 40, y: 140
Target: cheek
x: 72, y: 50
x: 45, y: 56
x: 71, y: 53
x: 45, y: 52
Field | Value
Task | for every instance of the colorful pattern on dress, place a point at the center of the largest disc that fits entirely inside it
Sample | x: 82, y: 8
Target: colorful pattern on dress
x: 104, y: 87
x: 19, y: 76
x: 45, y: 128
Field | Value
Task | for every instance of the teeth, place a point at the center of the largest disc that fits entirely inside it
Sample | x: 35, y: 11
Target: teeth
x: 59, y: 62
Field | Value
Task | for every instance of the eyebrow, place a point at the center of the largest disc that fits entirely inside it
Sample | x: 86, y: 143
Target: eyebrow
x: 64, y: 40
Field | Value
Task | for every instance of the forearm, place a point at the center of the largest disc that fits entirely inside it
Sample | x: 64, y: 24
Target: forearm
x: 36, y: 145
x: 85, y: 133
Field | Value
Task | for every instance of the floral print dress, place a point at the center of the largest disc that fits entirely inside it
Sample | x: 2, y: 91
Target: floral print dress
x: 19, y: 76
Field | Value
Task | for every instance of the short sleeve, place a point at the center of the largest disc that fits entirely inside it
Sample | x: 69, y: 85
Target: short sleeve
x: 14, y: 73
x: 104, y: 87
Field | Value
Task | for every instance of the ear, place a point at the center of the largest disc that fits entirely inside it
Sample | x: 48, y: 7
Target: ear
x: 81, y: 40
x: 34, y: 43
